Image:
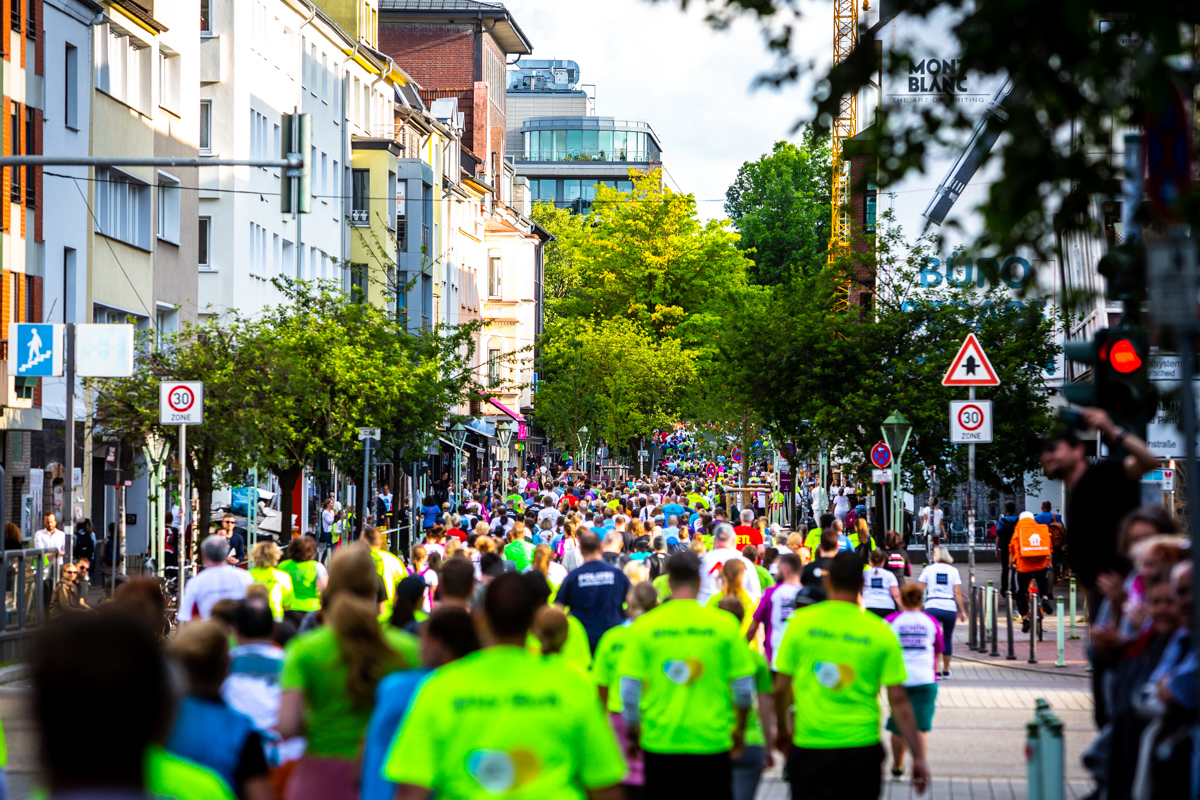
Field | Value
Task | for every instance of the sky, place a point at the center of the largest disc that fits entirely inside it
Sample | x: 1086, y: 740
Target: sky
x: 694, y: 85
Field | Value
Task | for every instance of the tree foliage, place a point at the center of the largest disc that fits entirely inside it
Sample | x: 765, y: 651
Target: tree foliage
x: 780, y: 206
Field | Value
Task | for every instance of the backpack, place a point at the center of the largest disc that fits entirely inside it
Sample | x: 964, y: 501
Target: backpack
x: 657, y: 564
x: 1033, y: 540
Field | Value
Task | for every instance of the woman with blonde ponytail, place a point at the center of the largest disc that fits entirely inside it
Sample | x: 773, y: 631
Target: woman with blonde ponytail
x: 330, y: 674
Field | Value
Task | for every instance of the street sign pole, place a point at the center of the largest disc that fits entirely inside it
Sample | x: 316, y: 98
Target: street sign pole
x: 971, y: 510
x: 185, y: 510
x: 366, y: 486
x: 68, y: 521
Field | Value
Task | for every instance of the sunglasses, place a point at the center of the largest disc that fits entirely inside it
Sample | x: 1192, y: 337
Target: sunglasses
x: 70, y: 572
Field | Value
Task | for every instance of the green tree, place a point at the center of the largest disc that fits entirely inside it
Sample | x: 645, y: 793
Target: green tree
x: 214, y: 351
x: 561, y: 274
x: 646, y: 257
x: 620, y: 380
x: 780, y: 206
x: 336, y: 366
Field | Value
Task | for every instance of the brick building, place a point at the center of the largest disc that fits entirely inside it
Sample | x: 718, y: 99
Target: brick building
x: 459, y: 48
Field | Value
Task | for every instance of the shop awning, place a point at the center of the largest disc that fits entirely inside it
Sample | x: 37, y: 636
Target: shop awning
x: 516, y: 416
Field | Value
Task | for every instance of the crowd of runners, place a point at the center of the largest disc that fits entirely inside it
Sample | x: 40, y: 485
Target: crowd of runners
x: 557, y: 637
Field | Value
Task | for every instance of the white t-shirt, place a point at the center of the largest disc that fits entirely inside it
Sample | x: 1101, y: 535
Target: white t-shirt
x: 710, y: 574
x: 225, y: 582
x: 931, y: 521
x: 921, y: 640
x: 940, y: 580
x: 45, y: 540
x: 431, y: 580
x: 877, y: 588
x: 841, y: 503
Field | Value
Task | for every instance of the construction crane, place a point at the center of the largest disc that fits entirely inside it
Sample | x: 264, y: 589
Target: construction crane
x: 845, y: 125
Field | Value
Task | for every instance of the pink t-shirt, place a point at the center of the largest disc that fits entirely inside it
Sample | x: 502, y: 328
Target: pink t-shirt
x: 921, y: 641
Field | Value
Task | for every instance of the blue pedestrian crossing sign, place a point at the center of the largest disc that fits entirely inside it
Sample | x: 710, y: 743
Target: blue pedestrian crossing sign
x: 35, y: 350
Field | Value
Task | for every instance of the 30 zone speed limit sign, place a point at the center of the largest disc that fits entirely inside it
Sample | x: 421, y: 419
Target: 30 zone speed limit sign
x: 970, y: 421
x: 181, y: 403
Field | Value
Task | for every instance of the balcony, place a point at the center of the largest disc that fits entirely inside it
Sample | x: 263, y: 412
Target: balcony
x: 618, y: 156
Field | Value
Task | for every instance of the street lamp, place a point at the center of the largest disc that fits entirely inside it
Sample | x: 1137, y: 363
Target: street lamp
x: 504, y: 434
x: 585, y: 439
x: 458, y: 437
x: 896, y: 430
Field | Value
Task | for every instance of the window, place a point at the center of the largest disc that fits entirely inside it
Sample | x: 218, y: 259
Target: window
x: 204, y: 249
x: 304, y: 62
x: 324, y: 76
x: 169, y: 78
x: 287, y: 255
x: 495, y: 276
x: 391, y: 215
x: 71, y: 87
x: 260, y: 143
x: 206, y: 126
x: 358, y: 282
x: 276, y: 256
x: 869, y: 207
x: 258, y: 251
x: 325, y: 176
x: 360, y: 206
x: 205, y: 17
x: 571, y: 189
x: 123, y: 67
x: 123, y: 207
x: 493, y: 367
x: 548, y: 191
x: 16, y: 16
x: 30, y: 138
x: 30, y: 18
x: 168, y: 208
x: 166, y: 324
x: 15, y: 122
x: 30, y: 311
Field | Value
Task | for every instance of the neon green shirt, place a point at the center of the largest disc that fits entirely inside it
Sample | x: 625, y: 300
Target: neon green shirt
x: 662, y: 585
x: 696, y: 500
x: 313, y: 663
x: 305, y: 594
x: 279, y: 588
x: 686, y: 656
x: 391, y: 569
x: 839, y: 657
x: 576, y: 649
x: 813, y: 541
x: 544, y: 736
x: 608, y: 655
x: 762, y: 685
x: 764, y: 578
x: 169, y: 776
x: 520, y: 552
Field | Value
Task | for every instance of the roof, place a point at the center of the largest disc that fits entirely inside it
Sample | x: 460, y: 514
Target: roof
x: 506, y: 32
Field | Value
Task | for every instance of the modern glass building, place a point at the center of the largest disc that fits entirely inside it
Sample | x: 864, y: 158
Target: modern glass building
x: 560, y: 146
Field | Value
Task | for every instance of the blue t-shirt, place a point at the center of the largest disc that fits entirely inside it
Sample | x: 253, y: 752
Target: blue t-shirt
x: 429, y: 516
x: 844, y: 542
x: 393, y: 696
x: 212, y: 734
x: 674, y: 509
x: 1046, y: 517
x: 595, y: 595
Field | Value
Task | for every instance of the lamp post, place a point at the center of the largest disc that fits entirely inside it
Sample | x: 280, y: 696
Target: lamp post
x: 458, y: 437
x: 896, y: 430
x: 585, y: 439
x: 504, y: 434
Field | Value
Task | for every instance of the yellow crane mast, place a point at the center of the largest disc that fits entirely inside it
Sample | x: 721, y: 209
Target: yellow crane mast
x: 845, y: 125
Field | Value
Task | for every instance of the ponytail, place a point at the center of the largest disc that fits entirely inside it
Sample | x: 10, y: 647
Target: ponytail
x: 355, y: 623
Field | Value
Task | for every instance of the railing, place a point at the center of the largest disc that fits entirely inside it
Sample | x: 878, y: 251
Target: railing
x: 425, y: 238
x: 26, y: 582
x: 401, y: 234
x: 622, y: 155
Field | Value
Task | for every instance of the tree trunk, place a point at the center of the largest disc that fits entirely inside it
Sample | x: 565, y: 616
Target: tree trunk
x: 287, y: 483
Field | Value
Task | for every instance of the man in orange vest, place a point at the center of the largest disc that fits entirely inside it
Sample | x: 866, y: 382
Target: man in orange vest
x: 1031, y: 550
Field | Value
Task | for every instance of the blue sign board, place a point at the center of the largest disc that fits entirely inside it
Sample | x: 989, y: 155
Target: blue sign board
x: 881, y: 456
x: 35, y: 350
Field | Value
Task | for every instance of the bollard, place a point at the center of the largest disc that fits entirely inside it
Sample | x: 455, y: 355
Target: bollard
x: 981, y: 624
x: 971, y: 619
x: 1074, y: 635
x: 1012, y: 653
x: 995, y: 630
x: 1044, y: 755
x: 1061, y: 631
x: 989, y: 601
x: 1033, y: 623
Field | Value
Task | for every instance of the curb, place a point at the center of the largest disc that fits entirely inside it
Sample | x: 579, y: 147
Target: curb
x: 1023, y: 666
x: 13, y: 673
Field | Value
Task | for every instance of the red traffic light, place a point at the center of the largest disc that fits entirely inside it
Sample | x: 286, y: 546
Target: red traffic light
x: 1123, y: 356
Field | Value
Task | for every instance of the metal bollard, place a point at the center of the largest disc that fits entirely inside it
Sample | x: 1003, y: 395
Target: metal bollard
x: 989, y: 601
x: 1060, y: 633
x: 995, y: 629
x: 981, y: 624
x: 1044, y: 755
x: 971, y: 619
x: 1033, y: 623
x: 1074, y: 635
x: 1008, y: 612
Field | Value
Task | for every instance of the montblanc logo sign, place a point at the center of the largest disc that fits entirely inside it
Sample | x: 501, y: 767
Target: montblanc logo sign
x: 934, y: 80
x: 937, y: 75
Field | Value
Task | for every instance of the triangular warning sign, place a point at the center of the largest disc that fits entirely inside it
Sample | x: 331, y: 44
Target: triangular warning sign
x: 971, y: 367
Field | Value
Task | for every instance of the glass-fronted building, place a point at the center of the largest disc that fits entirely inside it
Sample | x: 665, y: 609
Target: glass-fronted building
x: 561, y: 147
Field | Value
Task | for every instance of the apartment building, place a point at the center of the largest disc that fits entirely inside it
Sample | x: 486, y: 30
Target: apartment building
x: 262, y: 59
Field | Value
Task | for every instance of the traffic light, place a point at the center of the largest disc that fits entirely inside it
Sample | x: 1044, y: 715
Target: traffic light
x: 295, y: 185
x: 1120, y: 382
